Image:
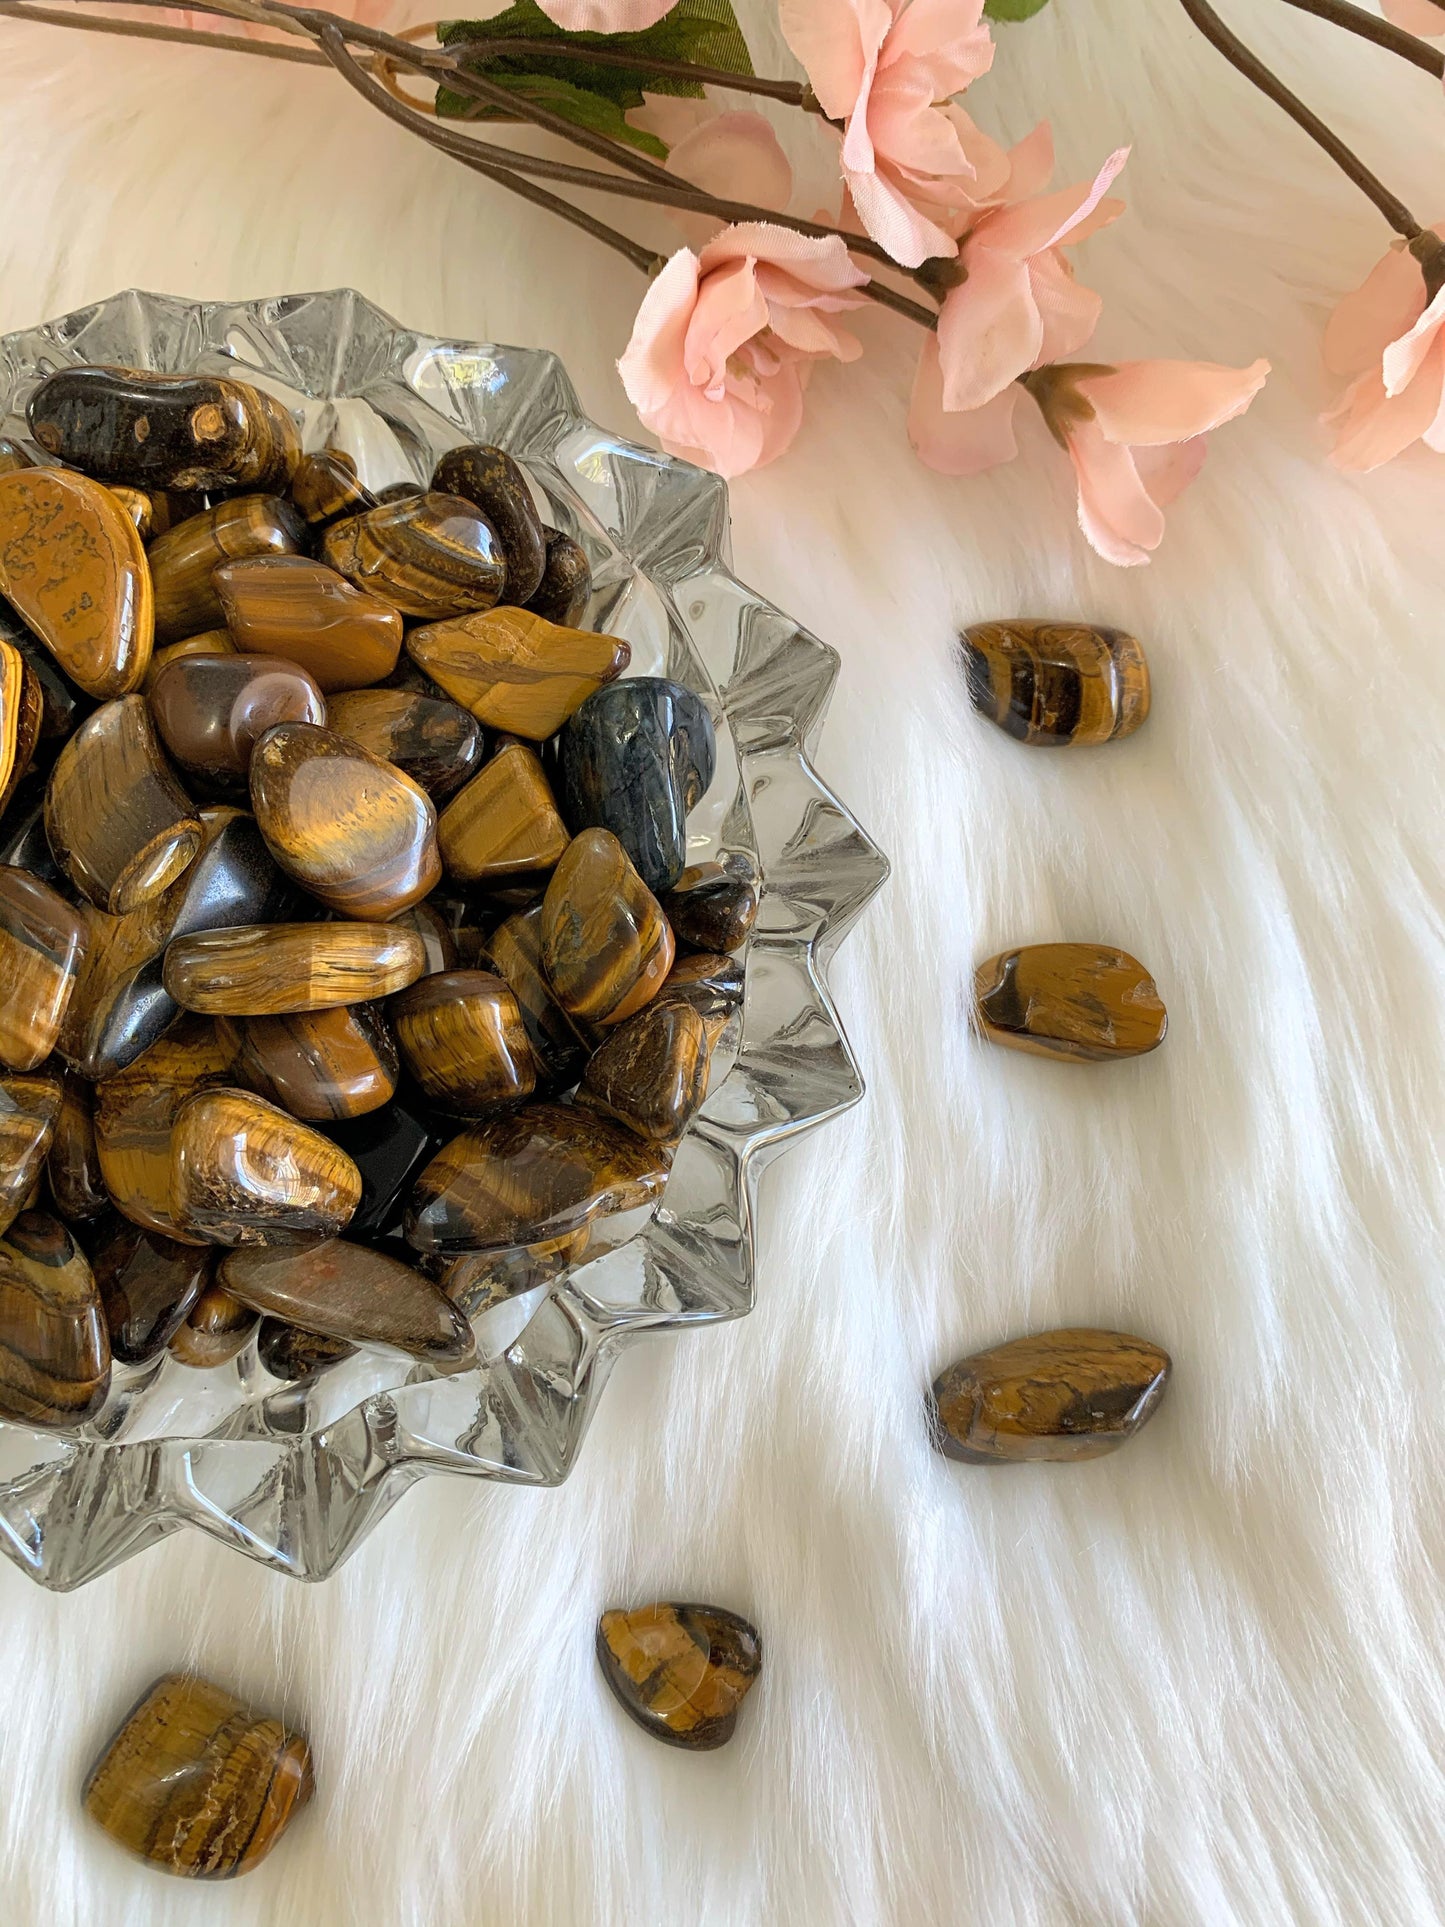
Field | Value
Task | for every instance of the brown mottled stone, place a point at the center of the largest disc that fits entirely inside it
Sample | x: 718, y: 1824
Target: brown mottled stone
x: 54, y: 1353
x: 505, y: 822
x: 606, y: 946
x: 514, y: 670
x: 211, y: 710
x: 1081, y: 1002
x: 246, y: 1172
x: 304, y: 612
x: 651, y: 1072
x: 462, y: 1036
x: 184, y: 559
x: 29, y: 1110
x: 680, y: 1671
x: 318, y: 1064
x: 1058, y: 685
x: 492, y: 481
x: 1059, y: 1396
x: 428, y: 555
x: 217, y: 1329
x: 351, y: 1292
x: 566, y: 586
x: 711, y: 908
x: 41, y: 942
x: 270, y: 970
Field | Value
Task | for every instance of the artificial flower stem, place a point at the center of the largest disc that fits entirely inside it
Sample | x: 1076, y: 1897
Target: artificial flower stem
x: 790, y: 92
x: 180, y: 36
x: 1369, y: 26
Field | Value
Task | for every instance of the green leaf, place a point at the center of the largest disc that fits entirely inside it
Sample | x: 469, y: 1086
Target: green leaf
x: 574, y: 104
x: 1013, y: 9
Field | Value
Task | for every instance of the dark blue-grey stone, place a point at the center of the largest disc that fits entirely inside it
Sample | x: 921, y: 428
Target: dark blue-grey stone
x: 634, y: 759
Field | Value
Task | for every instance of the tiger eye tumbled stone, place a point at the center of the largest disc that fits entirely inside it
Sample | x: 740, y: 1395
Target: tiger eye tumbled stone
x: 22, y: 714
x: 463, y: 1039
x: 218, y: 1327
x: 63, y: 703
x: 504, y: 823
x: 635, y: 758
x: 428, y: 555
x: 13, y: 456
x: 73, y: 565
x: 246, y: 1172
x: 514, y: 951
x: 711, y: 908
x: 184, y: 559
x: 270, y: 970
x: 1059, y: 1396
x: 196, y: 1783
x: 164, y: 431
x: 680, y: 1671
x: 349, y: 1291
x: 515, y: 671
x: 120, y: 825
x: 139, y: 507
x: 72, y: 1165
x: 1057, y: 684
x: 54, y: 1352
x: 29, y: 1110
x: 566, y: 586
x: 353, y: 830
x: 134, y: 1114
x: 210, y: 642
x: 651, y: 1073
x: 1083, y: 1002
x: 527, y: 1176
x: 41, y: 942
x: 147, y: 1286
x: 304, y: 612
x: 606, y: 946
x: 436, y: 743
x: 291, y: 1354
x: 388, y: 1147
x: 712, y: 985
x: 490, y: 479
x: 209, y: 711
x: 326, y: 486
x: 318, y: 1064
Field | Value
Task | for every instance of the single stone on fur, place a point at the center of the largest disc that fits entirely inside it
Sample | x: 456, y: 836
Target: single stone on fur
x: 635, y: 758
x: 300, y: 610
x: 428, y: 555
x: 462, y: 1036
x: 489, y: 478
x: 196, y: 1783
x: 210, y: 711
x: 566, y: 586
x: 54, y: 1353
x: 504, y: 823
x: 680, y: 1671
x: 1082, y: 1002
x: 269, y: 970
x: 711, y: 908
x: 1059, y: 1396
x: 42, y: 940
x: 348, y: 1291
x: 245, y: 1172
x: 1057, y: 684
x: 183, y: 561
x: 29, y: 1110
x: 606, y: 946
x: 217, y: 1329
x: 651, y: 1072
x: 515, y: 671
x: 147, y: 1286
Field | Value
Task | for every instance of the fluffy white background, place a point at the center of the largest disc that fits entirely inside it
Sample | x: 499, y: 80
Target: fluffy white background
x: 1199, y: 1682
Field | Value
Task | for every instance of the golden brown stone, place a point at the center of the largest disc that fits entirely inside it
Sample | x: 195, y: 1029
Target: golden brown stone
x: 478, y: 1280
x: 22, y: 717
x: 505, y: 822
x: 164, y: 431
x: 211, y: 710
x: 489, y: 478
x: 651, y: 1072
x: 428, y: 555
x: 183, y: 560
x: 245, y: 1172
x: 711, y: 908
x: 514, y: 670
x: 54, y: 1352
x: 514, y: 951
x: 1058, y: 1396
x: 135, y: 1110
x: 216, y: 1330
x: 72, y: 1165
x: 138, y: 506
x: 196, y: 1783
x: 302, y: 611
x: 41, y: 942
x: 210, y: 642
x: 606, y: 946
x: 325, y: 486
x: 462, y: 1036
x: 436, y: 743
x: 1057, y: 684
x: 270, y: 970
x: 566, y: 586
x: 351, y: 1292
x: 680, y: 1671
x: 317, y: 1064
x: 29, y: 1110
x: 1082, y: 1002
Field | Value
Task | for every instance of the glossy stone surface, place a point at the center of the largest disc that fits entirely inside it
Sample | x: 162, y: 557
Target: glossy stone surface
x: 566, y: 586
x: 41, y: 941
x: 489, y: 478
x: 54, y: 1353
x: 245, y: 1172
x: 148, y: 1285
x: 135, y: 1110
x: 434, y: 742
x: 427, y: 922
x: 209, y: 712
x: 514, y: 951
x: 304, y: 612
x: 515, y: 671
x: 606, y: 946
x: 72, y: 1164
x: 352, y: 829
x: 713, y: 986
x: 388, y: 1147
x: 217, y: 1329
x: 1059, y: 1396
x: 73, y: 565
x: 196, y: 1783
x: 651, y: 1073
x: 270, y: 970
x: 29, y: 1110
x: 428, y: 555
x: 711, y: 908
x: 504, y: 823
x: 680, y: 1671
x: 13, y: 456
x: 164, y: 431
x: 22, y: 711
x: 326, y: 486
x: 480, y: 1279
x: 635, y: 758
x: 462, y: 1036
x: 1083, y: 1002
x: 530, y: 1175
x: 1057, y: 684
x: 120, y: 825
x: 139, y: 507
x: 23, y: 842
x: 343, y: 1290
x: 291, y: 1354
x: 318, y: 1064
x: 183, y: 560
x: 63, y: 703
x: 210, y: 642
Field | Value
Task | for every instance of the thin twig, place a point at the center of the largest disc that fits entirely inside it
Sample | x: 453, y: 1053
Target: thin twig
x: 791, y: 92
x: 180, y: 36
x: 1369, y: 26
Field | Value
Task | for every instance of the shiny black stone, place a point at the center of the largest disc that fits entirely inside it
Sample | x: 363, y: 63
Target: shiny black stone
x: 635, y: 758
x: 566, y: 586
x: 290, y: 1353
x: 493, y: 482
x: 389, y: 1147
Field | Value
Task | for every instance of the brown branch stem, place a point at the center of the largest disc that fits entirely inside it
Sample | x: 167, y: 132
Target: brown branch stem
x: 790, y: 92
x: 178, y: 36
x: 1369, y: 26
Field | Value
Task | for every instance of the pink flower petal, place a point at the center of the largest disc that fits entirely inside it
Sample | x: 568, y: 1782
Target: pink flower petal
x: 989, y: 329
x: 651, y: 363
x: 894, y: 222
x: 1387, y: 302
x: 1046, y: 221
x: 1031, y: 163
x: 835, y: 43
x: 605, y: 16
x: 1402, y: 360
x: 958, y: 444
x: 736, y: 157
x: 1375, y: 427
x: 1415, y: 16
x: 730, y: 310
x: 823, y: 265
x: 1116, y: 511
x: 1169, y: 401
x: 1166, y: 471
x: 1069, y: 312
x: 938, y: 27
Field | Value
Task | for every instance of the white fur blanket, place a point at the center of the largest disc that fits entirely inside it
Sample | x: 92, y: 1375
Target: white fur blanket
x: 1202, y: 1681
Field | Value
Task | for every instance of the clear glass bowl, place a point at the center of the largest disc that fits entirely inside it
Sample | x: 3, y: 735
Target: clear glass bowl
x: 295, y: 1475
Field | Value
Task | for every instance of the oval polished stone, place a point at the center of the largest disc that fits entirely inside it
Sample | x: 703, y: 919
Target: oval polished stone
x: 711, y: 908
x: 349, y: 1291
x: 434, y: 742
x: 196, y: 1783
x: 680, y: 1671
x: 1059, y: 1396
x: 428, y: 555
x: 651, y: 1073
x: 29, y: 1111
x: 291, y: 1354
x: 303, y: 611
x: 514, y: 951
x: 245, y: 1172
x: 22, y: 712
x: 318, y: 1064
x: 270, y: 970
x: 134, y: 1114
x: 326, y: 486
x: 54, y: 1353
x: 184, y: 559
x: 217, y: 1329
x: 504, y: 823
x: 72, y: 1165
x: 428, y: 923
x: 147, y: 1286
x: 490, y: 479
x: 164, y: 431
x: 209, y: 711
x: 1081, y: 1002
x: 530, y: 1175
x: 41, y: 942
x: 120, y: 825
x: 353, y: 830
x: 606, y: 946
x: 515, y: 671
x: 635, y: 758
x: 74, y: 567
x: 566, y: 586
x: 210, y: 642
x: 1057, y: 684
x: 462, y: 1036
